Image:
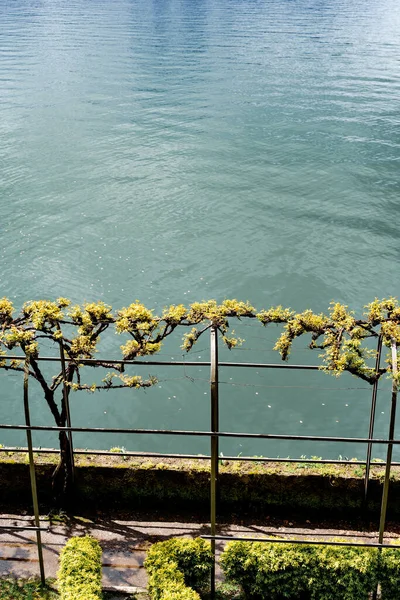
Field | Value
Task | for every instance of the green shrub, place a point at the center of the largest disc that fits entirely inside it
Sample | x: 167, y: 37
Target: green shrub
x: 79, y: 577
x: 25, y: 589
x: 238, y: 565
x: 345, y: 572
x: 389, y: 574
x: 269, y: 569
x: 167, y: 581
x: 276, y: 571
x: 176, y: 566
x: 178, y: 591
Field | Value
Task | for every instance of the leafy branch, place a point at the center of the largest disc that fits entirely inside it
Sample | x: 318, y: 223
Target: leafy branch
x: 75, y: 331
x: 341, y: 337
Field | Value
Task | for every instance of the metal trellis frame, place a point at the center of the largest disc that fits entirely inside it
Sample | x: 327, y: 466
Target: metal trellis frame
x: 214, y: 435
x: 226, y: 458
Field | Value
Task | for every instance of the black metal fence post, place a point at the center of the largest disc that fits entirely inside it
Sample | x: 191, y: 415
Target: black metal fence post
x: 32, y: 471
x: 66, y: 406
x: 372, y: 418
x: 214, y: 446
x: 214, y: 434
x: 390, y: 444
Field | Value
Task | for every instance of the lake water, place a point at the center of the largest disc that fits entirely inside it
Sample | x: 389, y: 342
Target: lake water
x: 180, y: 150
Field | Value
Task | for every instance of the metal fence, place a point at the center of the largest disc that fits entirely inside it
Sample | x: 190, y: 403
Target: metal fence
x: 214, y: 434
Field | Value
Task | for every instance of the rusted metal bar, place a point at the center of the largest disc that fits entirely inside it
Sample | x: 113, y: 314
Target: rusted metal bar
x: 176, y: 363
x: 227, y: 434
x: 66, y: 406
x: 372, y: 418
x: 32, y: 471
x: 386, y: 482
x: 214, y: 397
x: 266, y: 459
x: 275, y: 540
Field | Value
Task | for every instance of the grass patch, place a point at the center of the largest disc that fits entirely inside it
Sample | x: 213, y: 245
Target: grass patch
x: 226, y: 591
x: 13, y: 589
x: 31, y: 589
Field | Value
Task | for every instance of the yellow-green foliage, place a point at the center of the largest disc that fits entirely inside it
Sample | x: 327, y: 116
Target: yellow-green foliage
x: 389, y: 574
x: 17, y: 336
x: 135, y: 318
x: 90, y: 315
x: 338, y: 334
x: 268, y: 570
x: 349, y: 572
x: 286, y: 570
x: 82, y: 346
x: 174, y: 591
x: 177, y: 568
x: 234, y: 308
x: 25, y: 589
x: 79, y: 577
x: 276, y: 314
x: 167, y: 582
x: 380, y: 310
x: 201, y: 311
x: 189, y: 339
x: 134, y: 381
x: 174, y: 314
x: 42, y: 313
x: 99, y: 312
x: 6, y: 311
x: 132, y: 349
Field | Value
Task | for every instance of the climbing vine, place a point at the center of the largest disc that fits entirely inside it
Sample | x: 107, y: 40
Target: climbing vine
x: 75, y: 331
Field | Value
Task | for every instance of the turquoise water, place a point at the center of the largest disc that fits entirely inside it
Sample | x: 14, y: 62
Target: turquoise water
x: 176, y: 150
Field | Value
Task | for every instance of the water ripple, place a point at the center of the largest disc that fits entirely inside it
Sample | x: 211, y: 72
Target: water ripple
x: 178, y: 149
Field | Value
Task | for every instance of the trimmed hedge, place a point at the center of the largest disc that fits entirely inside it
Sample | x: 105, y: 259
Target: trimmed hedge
x: 277, y: 571
x: 177, y: 568
x: 79, y: 577
x: 389, y: 575
x: 269, y: 570
x: 344, y: 572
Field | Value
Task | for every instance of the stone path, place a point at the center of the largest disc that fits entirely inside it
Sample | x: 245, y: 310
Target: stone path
x: 125, y: 542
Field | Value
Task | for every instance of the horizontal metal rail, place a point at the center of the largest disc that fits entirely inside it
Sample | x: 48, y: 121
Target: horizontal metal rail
x: 274, y: 540
x: 226, y: 434
x: 17, y: 527
x: 214, y: 435
x: 270, y: 366
x: 176, y: 363
x: 322, y: 461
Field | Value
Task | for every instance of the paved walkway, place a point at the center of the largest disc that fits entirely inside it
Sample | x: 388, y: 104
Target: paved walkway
x: 125, y: 542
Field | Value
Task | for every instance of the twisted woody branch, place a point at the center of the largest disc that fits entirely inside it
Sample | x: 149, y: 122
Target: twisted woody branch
x: 76, y: 330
